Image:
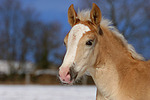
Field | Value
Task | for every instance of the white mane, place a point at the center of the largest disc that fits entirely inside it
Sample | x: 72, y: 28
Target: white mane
x: 84, y: 15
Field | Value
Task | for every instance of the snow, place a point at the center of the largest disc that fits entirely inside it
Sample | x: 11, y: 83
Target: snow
x: 40, y: 92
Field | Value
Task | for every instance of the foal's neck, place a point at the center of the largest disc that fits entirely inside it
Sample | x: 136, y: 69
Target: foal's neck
x: 112, y: 56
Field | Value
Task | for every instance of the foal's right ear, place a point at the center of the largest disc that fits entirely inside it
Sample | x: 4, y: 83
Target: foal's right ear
x: 95, y: 14
x: 72, y: 15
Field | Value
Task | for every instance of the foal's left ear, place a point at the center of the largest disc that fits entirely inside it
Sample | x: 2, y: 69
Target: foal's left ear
x: 72, y: 15
x: 95, y: 15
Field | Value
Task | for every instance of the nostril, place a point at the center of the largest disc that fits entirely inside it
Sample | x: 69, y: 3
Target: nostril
x: 63, y: 79
x: 73, y: 64
x: 67, y: 74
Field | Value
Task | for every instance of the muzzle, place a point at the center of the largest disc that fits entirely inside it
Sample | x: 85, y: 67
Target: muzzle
x: 67, y: 74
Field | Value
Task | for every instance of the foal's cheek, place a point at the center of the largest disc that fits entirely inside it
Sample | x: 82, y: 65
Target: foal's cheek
x: 86, y: 53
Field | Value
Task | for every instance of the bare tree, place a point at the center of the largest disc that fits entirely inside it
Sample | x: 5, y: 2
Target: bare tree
x: 24, y: 37
x: 46, y: 43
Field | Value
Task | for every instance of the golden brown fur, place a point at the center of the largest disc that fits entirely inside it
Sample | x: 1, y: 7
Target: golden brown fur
x: 133, y: 74
x: 118, y: 71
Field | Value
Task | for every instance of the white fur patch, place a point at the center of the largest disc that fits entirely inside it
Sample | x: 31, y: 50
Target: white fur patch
x: 75, y: 35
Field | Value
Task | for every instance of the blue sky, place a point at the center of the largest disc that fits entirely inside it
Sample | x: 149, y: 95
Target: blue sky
x: 52, y: 10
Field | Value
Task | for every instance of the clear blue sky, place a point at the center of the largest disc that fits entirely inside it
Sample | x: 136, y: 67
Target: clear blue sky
x: 52, y: 10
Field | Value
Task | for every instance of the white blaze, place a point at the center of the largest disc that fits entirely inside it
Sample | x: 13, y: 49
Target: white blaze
x: 75, y: 35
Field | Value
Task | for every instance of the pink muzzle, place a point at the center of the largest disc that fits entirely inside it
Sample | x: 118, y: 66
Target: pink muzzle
x: 64, y: 75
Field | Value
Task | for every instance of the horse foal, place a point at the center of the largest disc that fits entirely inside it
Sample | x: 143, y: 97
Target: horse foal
x: 95, y: 46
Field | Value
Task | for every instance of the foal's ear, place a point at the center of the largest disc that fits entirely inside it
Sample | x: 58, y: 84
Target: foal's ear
x: 72, y: 15
x: 95, y: 15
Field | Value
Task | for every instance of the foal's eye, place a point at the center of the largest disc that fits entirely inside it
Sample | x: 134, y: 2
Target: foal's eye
x: 89, y: 42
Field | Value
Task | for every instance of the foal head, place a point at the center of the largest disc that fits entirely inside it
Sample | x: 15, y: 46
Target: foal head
x: 81, y: 43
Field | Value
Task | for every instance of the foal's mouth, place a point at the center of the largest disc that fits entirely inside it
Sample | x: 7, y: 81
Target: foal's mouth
x: 73, y: 76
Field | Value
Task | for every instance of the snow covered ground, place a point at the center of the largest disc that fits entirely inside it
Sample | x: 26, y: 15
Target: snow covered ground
x: 40, y: 92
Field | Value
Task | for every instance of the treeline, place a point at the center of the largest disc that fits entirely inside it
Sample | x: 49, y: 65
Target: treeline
x: 23, y: 37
